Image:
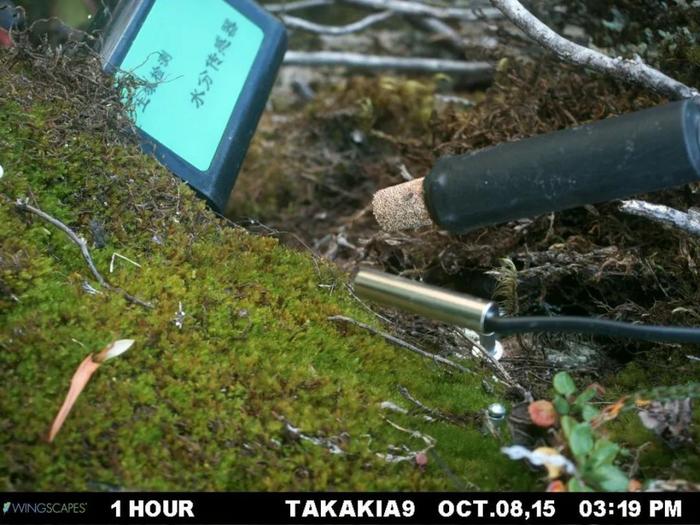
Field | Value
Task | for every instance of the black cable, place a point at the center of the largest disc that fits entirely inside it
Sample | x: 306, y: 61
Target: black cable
x: 589, y: 325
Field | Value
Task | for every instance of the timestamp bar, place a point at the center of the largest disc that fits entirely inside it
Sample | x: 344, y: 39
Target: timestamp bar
x: 348, y: 508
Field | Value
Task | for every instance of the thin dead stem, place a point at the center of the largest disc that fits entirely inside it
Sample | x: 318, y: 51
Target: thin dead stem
x: 400, y: 342
x: 24, y: 206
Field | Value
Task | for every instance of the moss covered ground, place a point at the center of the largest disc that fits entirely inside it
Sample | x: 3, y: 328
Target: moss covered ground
x: 204, y: 406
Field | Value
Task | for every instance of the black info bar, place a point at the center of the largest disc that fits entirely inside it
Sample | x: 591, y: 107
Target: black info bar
x: 355, y: 507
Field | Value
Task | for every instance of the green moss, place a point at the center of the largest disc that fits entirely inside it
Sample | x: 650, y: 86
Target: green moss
x: 202, y: 406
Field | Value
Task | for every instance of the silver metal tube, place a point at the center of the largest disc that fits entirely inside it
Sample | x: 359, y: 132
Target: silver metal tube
x: 429, y: 301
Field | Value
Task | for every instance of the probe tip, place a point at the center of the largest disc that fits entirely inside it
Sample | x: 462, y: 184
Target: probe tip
x: 401, y: 207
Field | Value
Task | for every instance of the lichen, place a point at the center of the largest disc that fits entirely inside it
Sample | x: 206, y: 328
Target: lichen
x: 203, y: 406
x: 665, y: 34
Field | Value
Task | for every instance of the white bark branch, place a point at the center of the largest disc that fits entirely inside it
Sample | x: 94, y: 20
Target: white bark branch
x: 286, y: 7
x: 407, y: 7
x: 474, y: 71
x: 635, y: 71
x: 688, y: 222
x: 441, y: 31
x: 312, y: 27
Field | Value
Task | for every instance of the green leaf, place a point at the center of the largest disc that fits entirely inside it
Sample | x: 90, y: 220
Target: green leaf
x: 604, y: 452
x: 581, y: 439
x: 561, y: 405
x: 610, y: 478
x: 589, y: 412
x: 564, y: 384
x: 585, y: 397
x: 575, y: 485
x: 567, y: 424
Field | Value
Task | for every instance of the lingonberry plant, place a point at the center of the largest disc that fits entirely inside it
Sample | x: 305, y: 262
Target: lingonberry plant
x: 581, y: 457
x: 595, y: 455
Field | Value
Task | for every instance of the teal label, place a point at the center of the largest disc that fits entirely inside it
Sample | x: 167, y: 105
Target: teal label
x: 195, y: 60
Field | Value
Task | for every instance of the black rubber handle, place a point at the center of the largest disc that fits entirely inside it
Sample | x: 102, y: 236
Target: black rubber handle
x: 635, y: 153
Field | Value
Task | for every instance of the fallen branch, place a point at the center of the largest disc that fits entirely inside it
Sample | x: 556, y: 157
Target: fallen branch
x: 407, y: 7
x: 399, y: 342
x: 327, y: 443
x: 418, y: 456
x: 23, y: 205
x: 452, y: 99
x: 286, y: 7
x: 635, y: 71
x: 430, y: 441
x: 476, y: 71
x: 432, y: 413
x: 442, y: 32
x: 312, y: 27
x: 688, y: 222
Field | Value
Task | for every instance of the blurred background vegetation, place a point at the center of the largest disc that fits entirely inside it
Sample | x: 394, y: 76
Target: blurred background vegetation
x: 659, y: 31
x: 76, y: 13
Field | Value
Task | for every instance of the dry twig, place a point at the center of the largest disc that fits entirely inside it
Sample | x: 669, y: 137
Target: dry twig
x: 399, y: 342
x: 442, y: 32
x: 688, y: 222
x: 312, y: 27
x: 432, y: 413
x: 475, y: 71
x: 23, y: 205
x: 286, y: 7
x: 498, y: 367
x: 407, y: 7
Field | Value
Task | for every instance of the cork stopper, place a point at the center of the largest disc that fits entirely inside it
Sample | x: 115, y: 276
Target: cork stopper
x: 401, y: 207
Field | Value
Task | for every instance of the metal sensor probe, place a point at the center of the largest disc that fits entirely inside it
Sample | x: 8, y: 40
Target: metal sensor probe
x: 429, y: 301
x: 483, y: 317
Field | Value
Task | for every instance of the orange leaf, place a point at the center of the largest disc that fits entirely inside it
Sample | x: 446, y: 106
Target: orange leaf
x: 610, y: 412
x: 80, y: 378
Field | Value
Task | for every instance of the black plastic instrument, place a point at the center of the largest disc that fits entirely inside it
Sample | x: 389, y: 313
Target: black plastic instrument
x: 635, y: 153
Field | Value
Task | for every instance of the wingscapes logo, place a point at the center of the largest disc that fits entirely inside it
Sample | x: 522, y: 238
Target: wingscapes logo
x: 44, y: 508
